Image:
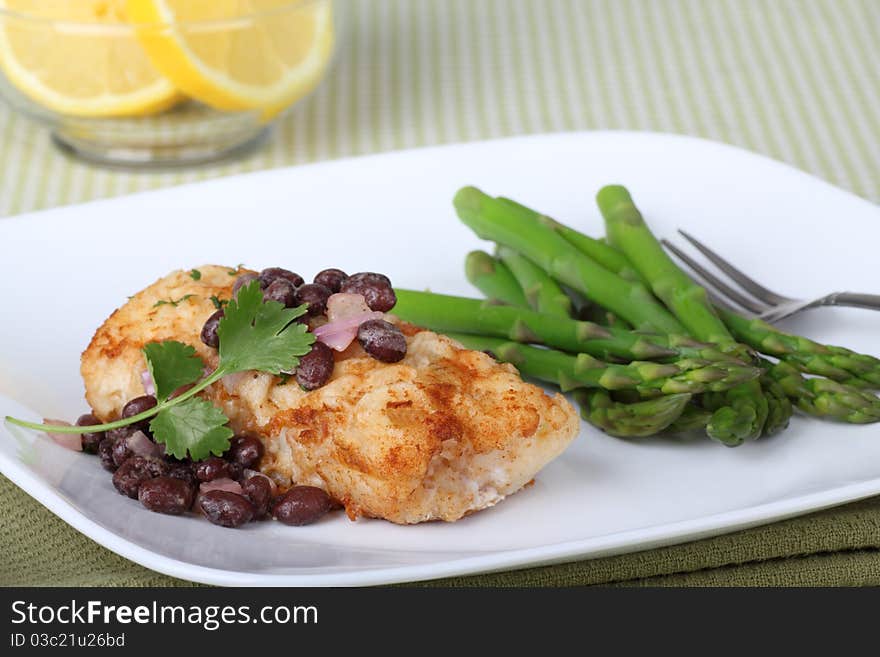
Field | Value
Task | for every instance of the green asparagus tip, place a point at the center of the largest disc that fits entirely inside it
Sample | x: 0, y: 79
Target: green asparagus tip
x: 478, y: 263
x: 612, y: 196
x: 468, y: 199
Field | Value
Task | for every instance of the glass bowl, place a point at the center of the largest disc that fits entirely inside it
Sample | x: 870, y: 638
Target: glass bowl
x: 161, y: 82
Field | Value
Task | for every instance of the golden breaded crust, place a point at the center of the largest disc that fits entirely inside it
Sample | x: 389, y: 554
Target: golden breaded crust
x: 444, y: 432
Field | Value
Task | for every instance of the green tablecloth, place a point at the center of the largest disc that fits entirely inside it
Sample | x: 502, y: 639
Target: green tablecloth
x: 798, y: 80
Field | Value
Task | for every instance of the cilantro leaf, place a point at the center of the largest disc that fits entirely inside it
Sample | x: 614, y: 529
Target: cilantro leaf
x: 195, y: 426
x: 172, y: 364
x: 195, y: 274
x: 218, y: 302
x: 261, y: 336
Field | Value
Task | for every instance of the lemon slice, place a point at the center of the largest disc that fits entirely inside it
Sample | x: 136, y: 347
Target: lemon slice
x: 78, y: 58
x: 238, y: 54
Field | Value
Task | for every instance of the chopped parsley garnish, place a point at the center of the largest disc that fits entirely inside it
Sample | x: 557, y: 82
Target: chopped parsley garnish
x: 254, y: 335
x: 218, y: 303
x: 195, y: 274
x: 172, y: 302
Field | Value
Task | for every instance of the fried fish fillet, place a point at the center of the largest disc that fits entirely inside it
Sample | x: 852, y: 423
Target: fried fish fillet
x: 443, y: 433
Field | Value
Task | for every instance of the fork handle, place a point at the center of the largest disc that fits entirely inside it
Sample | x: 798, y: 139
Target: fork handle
x: 854, y: 300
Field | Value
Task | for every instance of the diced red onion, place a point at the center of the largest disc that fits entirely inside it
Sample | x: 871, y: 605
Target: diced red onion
x: 338, y: 340
x: 140, y: 444
x: 256, y: 473
x: 72, y: 441
x: 340, y: 333
x: 147, y: 380
x: 224, y: 483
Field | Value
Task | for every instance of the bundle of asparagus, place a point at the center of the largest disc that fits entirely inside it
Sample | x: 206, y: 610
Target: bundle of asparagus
x: 657, y: 357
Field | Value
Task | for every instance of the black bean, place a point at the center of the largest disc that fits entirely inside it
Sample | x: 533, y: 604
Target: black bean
x: 316, y: 367
x: 315, y: 295
x: 182, y: 389
x: 119, y: 433
x: 258, y: 491
x: 282, y: 291
x: 370, y: 277
x: 243, y: 281
x: 137, y: 406
x: 382, y: 340
x: 375, y: 288
x: 245, y: 450
x: 166, y: 495
x: 209, y: 330
x: 272, y: 274
x: 90, y: 441
x: 301, y: 505
x: 105, y: 453
x: 135, y: 471
x: 226, y: 509
x: 117, y: 449
x: 236, y: 470
x: 120, y: 451
x: 211, y: 468
x: 183, y: 471
x: 331, y: 278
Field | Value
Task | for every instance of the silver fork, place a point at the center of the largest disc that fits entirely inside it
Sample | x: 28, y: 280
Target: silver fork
x: 753, y: 298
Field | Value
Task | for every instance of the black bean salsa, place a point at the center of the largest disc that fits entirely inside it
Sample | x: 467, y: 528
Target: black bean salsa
x: 229, y: 490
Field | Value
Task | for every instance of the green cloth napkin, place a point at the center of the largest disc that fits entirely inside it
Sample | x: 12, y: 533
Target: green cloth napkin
x: 794, y: 79
x: 833, y: 547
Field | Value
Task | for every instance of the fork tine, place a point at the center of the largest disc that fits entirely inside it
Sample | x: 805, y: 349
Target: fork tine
x: 713, y: 281
x: 753, y: 287
x: 714, y: 299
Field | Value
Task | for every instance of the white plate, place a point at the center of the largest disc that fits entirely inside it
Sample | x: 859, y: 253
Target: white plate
x: 63, y: 271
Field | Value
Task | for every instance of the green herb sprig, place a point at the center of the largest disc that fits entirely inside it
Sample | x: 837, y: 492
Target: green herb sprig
x: 254, y: 335
x: 172, y: 302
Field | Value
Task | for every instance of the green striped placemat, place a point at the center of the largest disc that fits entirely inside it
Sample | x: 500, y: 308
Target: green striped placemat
x: 794, y: 79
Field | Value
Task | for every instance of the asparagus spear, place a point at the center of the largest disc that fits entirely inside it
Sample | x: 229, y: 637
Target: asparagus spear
x: 598, y: 315
x: 587, y: 311
x: 570, y: 372
x: 496, y: 220
x: 743, y: 411
x: 693, y: 417
x: 639, y: 419
x: 780, y: 407
x: 836, y: 363
x: 607, y: 256
x: 493, y: 278
x: 542, y: 292
x: 628, y: 232
x: 826, y: 398
x: 444, y: 313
